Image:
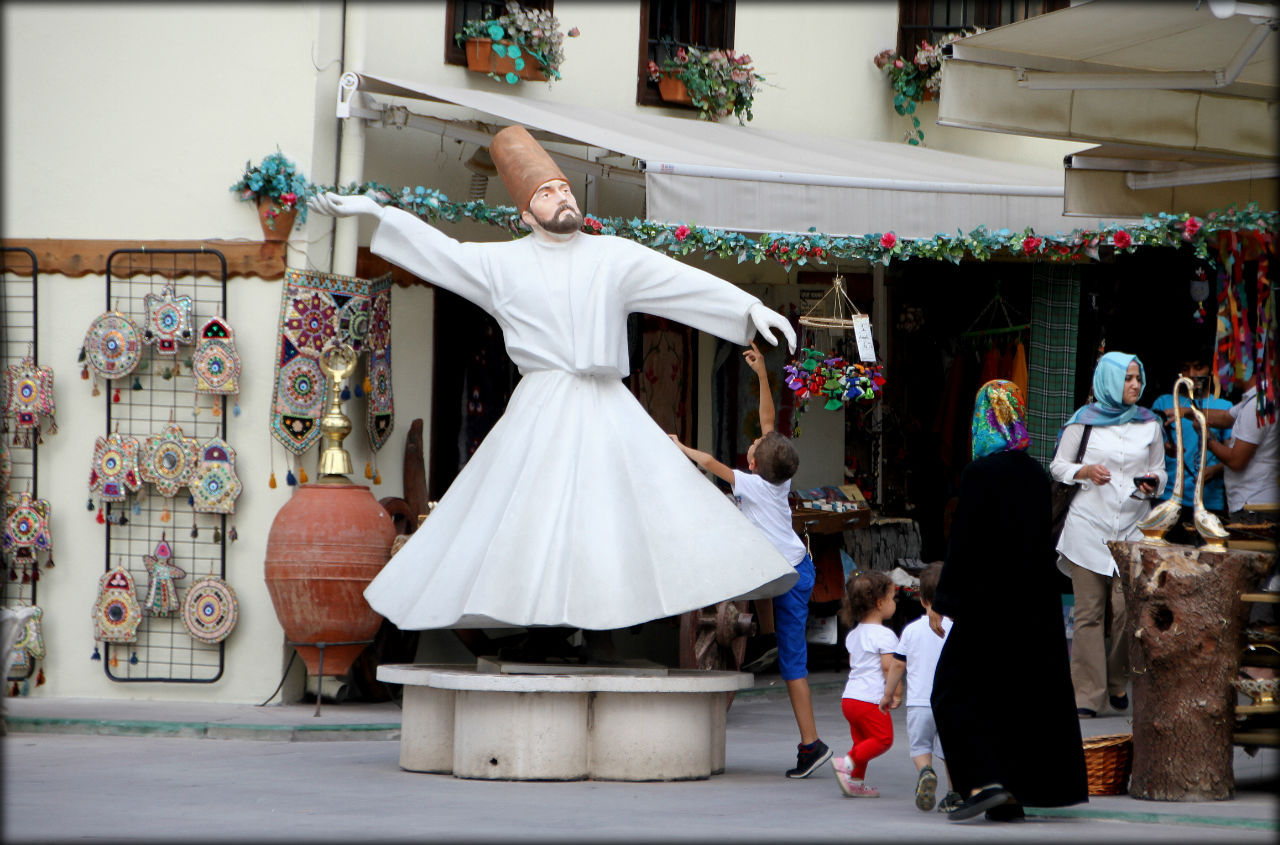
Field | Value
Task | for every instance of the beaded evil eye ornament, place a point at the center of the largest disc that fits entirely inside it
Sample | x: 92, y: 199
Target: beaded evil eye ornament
x: 114, y: 473
x: 214, y: 485
x: 112, y: 348
x: 162, y: 593
x: 26, y: 532
x: 215, y: 362
x: 210, y: 609
x: 28, y: 396
x: 116, y: 612
x: 168, y: 320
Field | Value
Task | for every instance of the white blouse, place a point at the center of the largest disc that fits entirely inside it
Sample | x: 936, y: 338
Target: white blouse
x: 1102, y: 512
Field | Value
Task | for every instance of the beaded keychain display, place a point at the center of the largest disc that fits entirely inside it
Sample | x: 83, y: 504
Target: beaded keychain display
x: 216, y: 363
x: 162, y: 593
x: 112, y: 348
x: 168, y: 322
x: 26, y: 532
x: 28, y: 396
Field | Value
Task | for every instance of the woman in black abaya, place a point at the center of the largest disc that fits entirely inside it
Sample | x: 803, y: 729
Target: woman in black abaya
x: 1002, y: 695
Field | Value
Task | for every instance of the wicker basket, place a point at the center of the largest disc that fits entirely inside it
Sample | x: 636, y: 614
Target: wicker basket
x: 1107, y: 761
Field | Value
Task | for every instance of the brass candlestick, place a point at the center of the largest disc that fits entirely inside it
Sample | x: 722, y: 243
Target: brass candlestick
x: 337, y: 362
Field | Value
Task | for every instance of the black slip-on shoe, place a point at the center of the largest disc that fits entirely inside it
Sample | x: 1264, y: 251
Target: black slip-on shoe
x: 975, y: 805
x: 1120, y: 702
x: 1006, y: 813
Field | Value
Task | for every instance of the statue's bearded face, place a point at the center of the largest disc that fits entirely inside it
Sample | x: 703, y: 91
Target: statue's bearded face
x: 554, y: 208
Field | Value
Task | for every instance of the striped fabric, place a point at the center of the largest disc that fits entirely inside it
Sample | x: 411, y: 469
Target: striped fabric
x: 1051, y: 371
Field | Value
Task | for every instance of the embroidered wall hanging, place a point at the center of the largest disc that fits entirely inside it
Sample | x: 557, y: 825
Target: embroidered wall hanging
x: 114, y: 473
x: 26, y: 532
x: 168, y: 320
x: 316, y: 309
x: 380, y: 416
x: 116, y: 613
x: 168, y: 459
x: 214, y: 485
x: 112, y: 348
x: 215, y: 362
x: 28, y: 396
x: 210, y: 610
x: 162, y: 593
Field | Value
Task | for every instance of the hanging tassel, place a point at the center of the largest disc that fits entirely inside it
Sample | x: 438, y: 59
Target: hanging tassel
x: 346, y: 393
x: 166, y: 374
x: 84, y: 373
x: 195, y: 529
x: 137, y: 384
x: 133, y: 659
x: 272, y: 482
x: 35, y: 574
x: 13, y: 690
x: 360, y: 391
x: 236, y: 409
x: 83, y: 354
x: 191, y: 501
x: 289, y: 479
x: 137, y: 508
x: 96, y: 655
x: 48, y: 564
x: 115, y: 397
x: 233, y: 535
x: 302, y: 474
x: 217, y: 535
x: 40, y: 677
x: 53, y: 426
x: 101, y: 520
x: 368, y: 386
x: 164, y: 514
x: 217, y: 408
x: 26, y: 575
x: 377, y: 478
x: 96, y: 391
x: 114, y: 662
x: 90, y: 504
x: 195, y: 410
x: 368, y: 470
x: 25, y: 687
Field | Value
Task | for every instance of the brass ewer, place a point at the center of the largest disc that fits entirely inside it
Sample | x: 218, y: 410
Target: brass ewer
x: 1166, y: 514
x: 338, y: 362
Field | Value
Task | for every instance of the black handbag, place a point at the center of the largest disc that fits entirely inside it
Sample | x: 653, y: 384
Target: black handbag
x: 1063, y: 494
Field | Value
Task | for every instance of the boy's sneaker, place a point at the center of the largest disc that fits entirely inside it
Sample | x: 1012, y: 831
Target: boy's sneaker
x: 926, y: 789
x: 809, y: 760
x: 850, y: 787
x: 949, y: 802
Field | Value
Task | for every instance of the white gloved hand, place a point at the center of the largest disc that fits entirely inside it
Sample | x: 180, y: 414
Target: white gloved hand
x: 766, y: 320
x: 337, y: 205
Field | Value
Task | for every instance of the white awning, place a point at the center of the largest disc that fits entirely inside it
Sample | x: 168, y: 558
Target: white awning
x: 742, y: 178
x: 1182, y: 94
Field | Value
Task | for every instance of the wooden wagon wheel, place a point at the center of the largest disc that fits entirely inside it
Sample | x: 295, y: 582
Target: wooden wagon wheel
x: 715, y: 637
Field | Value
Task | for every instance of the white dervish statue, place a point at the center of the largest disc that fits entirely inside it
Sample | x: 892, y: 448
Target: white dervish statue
x: 576, y: 510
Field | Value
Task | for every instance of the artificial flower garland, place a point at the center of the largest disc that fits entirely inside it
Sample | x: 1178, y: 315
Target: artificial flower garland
x: 789, y: 249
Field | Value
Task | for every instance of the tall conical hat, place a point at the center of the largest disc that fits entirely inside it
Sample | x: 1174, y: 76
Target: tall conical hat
x: 522, y: 163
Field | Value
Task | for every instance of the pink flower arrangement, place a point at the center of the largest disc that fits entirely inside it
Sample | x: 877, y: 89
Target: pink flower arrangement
x: 1121, y: 239
x: 1192, y: 226
x: 888, y: 239
x: 682, y: 232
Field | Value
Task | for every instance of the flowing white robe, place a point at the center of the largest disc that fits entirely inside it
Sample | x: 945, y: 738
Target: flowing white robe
x: 577, y: 509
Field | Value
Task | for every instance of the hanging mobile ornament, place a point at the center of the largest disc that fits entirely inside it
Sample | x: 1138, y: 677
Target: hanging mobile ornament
x: 162, y: 594
x: 167, y: 460
x: 28, y: 397
x: 1200, y: 292
x: 112, y: 347
x: 168, y: 322
x: 114, y: 472
x: 214, y: 484
x: 26, y: 531
x: 215, y: 362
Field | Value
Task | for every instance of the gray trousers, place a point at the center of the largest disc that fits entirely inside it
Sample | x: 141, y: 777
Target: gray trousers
x: 1098, y: 668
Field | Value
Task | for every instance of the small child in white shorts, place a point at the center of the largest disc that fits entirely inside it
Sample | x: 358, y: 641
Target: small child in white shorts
x: 917, y: 656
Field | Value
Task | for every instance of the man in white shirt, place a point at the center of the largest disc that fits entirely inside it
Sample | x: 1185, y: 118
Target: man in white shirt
x: 1251, y: 457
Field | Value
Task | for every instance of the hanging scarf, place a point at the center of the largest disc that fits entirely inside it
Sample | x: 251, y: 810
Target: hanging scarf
x: 999, y: 419
x: 1108, y: 407
x: 1265, y: 342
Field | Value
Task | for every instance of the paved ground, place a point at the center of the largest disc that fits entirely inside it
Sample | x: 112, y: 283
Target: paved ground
x: 166, y: 772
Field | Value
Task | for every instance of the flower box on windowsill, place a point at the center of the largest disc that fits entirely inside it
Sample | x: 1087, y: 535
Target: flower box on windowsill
x: 482, y: 59
x: 672, y: 90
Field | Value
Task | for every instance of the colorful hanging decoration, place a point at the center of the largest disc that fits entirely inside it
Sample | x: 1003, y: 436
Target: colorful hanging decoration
x: 210, y: 609
x: 168, y: 320
x: 214, y: 485
x: 112, y: 347
x: 1200, y: 292
x: 28, y: 396
x: 162, y: 593
x: 815, y: 375
x: 1265, y: 346
x: 316, y: 309
x: 215, y: 362
x: 380, y: 416
x: 116, y: 612
x: 114, y: 473
x: 168, y: 459
x: 26, y: 531
x: 28, y: 649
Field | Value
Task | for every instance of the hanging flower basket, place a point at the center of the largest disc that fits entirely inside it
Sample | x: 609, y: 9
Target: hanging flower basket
x: 673, y: 90
x: 482, y: 58
x: 277, y: 220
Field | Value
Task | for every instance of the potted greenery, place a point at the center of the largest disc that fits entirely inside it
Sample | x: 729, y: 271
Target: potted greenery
x: 279, y: 190
x: 917, y: 80
x: 520, y: 44
x: 717, y: 82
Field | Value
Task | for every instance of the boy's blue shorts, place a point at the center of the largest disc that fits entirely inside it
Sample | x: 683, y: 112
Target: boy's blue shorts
x: 790, y: 622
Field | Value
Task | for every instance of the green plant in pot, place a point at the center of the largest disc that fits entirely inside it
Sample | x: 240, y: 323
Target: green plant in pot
x: 529, y: 39
x: 719, y: 82
x: 279, y: 189
x: 916, y: 80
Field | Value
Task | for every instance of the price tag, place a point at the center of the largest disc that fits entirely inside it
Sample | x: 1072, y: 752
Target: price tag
x: 862, y: 334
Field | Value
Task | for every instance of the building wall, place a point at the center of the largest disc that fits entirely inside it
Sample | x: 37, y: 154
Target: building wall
x: 130, y: 121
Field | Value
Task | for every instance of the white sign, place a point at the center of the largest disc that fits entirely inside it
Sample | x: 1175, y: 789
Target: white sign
x: 862, y: 334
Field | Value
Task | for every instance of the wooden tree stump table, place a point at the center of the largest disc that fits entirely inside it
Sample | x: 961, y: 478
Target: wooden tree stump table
x: 1185, y: 619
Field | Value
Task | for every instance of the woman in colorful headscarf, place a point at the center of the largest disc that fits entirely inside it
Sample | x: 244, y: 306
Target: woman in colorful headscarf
x: 1002, y: 696
x: 1121, y: 470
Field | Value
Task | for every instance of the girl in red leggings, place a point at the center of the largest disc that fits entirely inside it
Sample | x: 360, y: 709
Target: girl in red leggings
x: 868, y: 601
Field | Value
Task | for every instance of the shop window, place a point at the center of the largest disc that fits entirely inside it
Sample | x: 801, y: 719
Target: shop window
x: 929, y: 20
x: 458, y: 12
x: 701, y: 23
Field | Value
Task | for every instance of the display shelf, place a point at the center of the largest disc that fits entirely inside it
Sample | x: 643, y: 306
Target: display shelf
x: 1265, y: 598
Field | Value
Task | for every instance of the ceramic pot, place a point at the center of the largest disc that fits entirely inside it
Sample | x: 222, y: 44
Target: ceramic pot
x: 672, y: 90
x: 482, y: 59
x: 283, y: 225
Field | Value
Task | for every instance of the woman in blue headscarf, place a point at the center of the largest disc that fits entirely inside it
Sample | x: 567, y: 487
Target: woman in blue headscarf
x: 1121, y: 469
x: 1001, y: 591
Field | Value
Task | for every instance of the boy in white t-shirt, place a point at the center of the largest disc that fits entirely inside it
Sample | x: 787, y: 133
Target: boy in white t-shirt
x: 917, y: 656
x: 762, y: 496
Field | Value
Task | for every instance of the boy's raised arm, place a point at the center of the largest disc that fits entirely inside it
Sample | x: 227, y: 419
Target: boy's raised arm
x: 755, y: 360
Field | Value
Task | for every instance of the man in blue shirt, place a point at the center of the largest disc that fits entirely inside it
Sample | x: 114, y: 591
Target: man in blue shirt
x: 1214, y: 495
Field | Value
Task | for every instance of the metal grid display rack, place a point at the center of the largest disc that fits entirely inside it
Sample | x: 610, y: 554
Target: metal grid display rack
x: 18, y: 338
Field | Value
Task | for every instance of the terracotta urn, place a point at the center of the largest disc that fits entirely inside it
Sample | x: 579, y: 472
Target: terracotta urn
x: 325, y: 546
